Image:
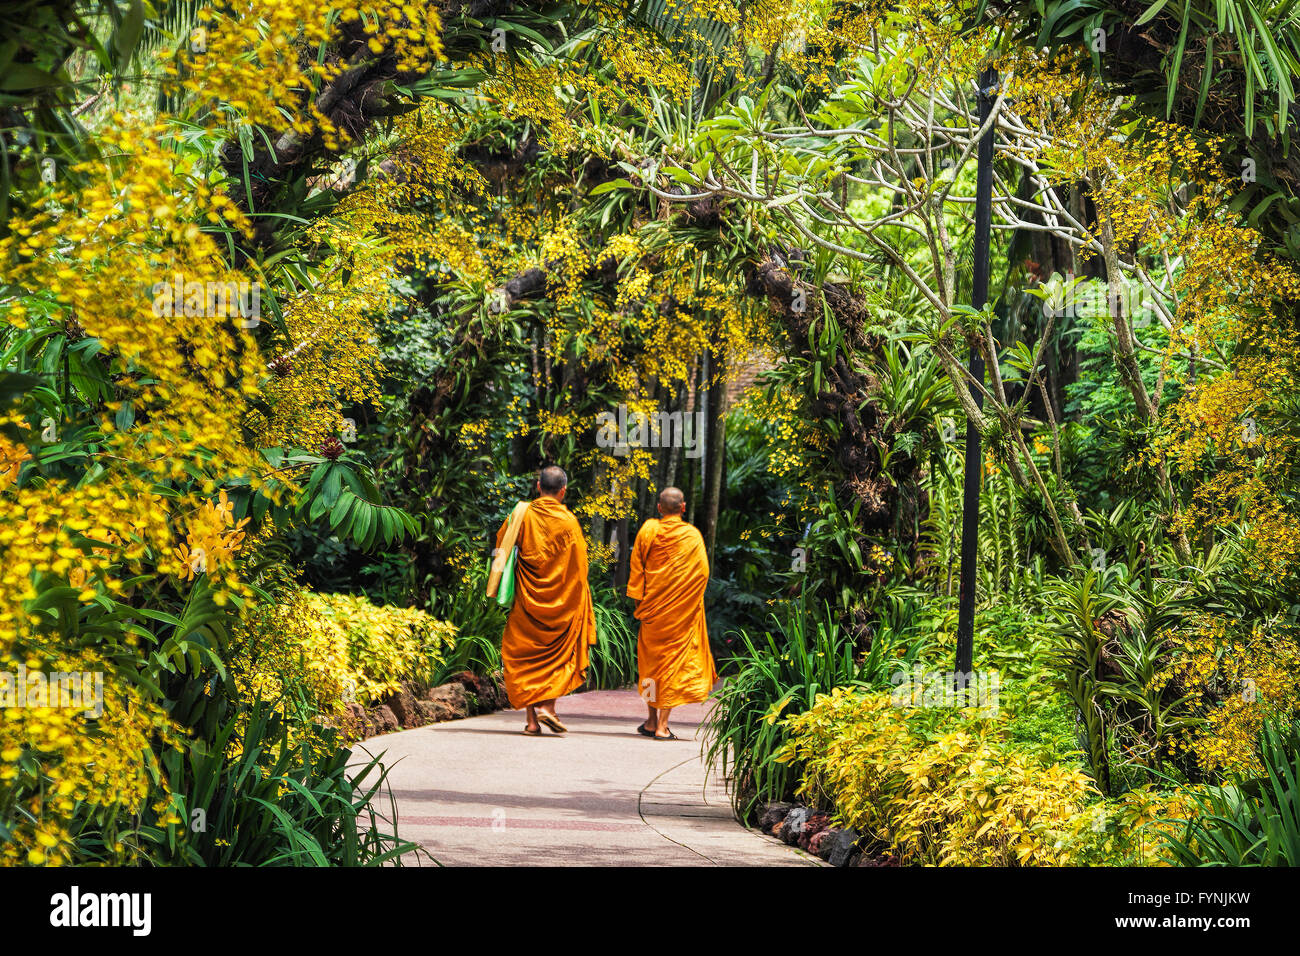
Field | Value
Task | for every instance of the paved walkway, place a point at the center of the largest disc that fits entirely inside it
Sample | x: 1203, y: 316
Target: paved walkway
x: 477, y: 792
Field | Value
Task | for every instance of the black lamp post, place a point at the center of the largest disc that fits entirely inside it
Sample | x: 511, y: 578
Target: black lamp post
x: 970, y: 518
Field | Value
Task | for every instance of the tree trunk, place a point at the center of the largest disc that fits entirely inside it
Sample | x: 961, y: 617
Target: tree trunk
x: 692, y: 467
x: 1130, y: 372
x: 623, y: 566
x: 675, y: 452
x: 599, y: 479
x: 714, y: 453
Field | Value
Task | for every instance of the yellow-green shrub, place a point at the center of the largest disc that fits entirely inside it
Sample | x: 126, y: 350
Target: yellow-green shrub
x: 937, y: 785
x: 385, y: 645
x: 328, y: 649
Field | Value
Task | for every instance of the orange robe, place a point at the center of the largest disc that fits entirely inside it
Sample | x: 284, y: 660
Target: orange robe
x: 670, y: 570
x: 546, y: 645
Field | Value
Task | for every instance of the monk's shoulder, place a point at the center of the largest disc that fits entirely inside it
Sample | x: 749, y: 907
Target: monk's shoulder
x: 693, y: 533
x: 570, y: 520
x: 565, y: 528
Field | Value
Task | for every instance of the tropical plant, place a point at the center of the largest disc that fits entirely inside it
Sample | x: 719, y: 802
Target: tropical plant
x: 253, y: 796
x: 782, y: 673
x: 1113, y: 646
x: 1253, y: 822
x: 613, y: 663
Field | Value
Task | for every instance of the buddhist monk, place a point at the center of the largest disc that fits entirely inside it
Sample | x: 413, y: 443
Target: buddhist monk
x: 669, y: 573
x: 552, y: 625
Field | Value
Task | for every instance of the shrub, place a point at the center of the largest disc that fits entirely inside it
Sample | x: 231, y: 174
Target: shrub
x: 784, y: 674
x: 316, y: 652
x: 387, y: 645
x: 1112, y: 644
x: 936, y: 785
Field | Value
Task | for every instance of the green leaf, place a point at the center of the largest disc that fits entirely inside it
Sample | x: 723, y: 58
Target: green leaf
x: 127, y: 35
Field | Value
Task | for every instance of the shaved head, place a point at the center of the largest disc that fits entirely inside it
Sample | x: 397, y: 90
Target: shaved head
x: 671, y: 501
x: 552, y: 480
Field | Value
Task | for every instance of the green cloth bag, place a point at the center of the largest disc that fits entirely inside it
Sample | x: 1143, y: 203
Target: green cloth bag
x: 506, y: 589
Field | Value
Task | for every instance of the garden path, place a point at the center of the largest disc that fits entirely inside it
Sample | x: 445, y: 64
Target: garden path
x: 478, y: 792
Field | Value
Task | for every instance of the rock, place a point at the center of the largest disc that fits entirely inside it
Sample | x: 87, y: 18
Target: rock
x: 384, y: 720
x: 817, y: 823
x: 773, y: 814
x: 820, y: 845
x: 824, y: 843
x: 402, y: 704
x: 448, y: 701
x: 481, y: 692
x: 866, y: 859
x: 497, y: 684
x: 484, y: 694
x: 843, y: 846
x: 353, y: 721
x: 430, y: 712
x: 492, y: 693
x: 795, y: 821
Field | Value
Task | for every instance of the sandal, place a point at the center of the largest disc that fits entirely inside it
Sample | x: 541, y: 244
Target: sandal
x: 532, y: 733
x: 671, y: 736
x: 551, y: 721
x: 640, y: 729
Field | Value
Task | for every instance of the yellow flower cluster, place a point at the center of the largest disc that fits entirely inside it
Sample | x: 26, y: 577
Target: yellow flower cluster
x: 795, y: 441
x: 541, y: 94
x: 381, y: 225
x: 615, y: 498
x: 334, y: 359
x: 103, y: 248
x: 249, y: 55
x: 213, y: 536
x: 12, y: 456
x: 54, y: 756
x: 1242, y: 677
